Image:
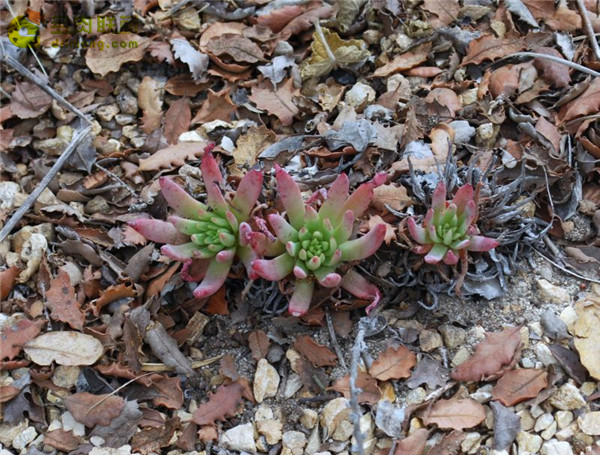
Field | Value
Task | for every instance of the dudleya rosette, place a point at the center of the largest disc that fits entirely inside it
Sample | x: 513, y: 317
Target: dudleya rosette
x: 212, y: 235
x: 312, y: 244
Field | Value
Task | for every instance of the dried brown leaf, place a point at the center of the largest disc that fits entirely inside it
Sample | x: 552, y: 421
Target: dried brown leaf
x: 259, y: 344
x: 177, y: 120
x: 103, y: 61
x: 170, y: 393
x: 491, y: 356
x: 8, y: 392
x: 277, y: 19
x: 404, y: 61
x: 369, y: 390
x: 151, y: 104
x: 8, y: 278
x: 92, y: 410
x: 63, y: 303
x: 165, y: 348
x: 218, y: 106
x: 29, y: 101
x: 488, y: 47
x: 519, y: 385
x: 220, y: 405
x: 586, y: 103
x: 173, y: 156
x: 240, y: 48
x: 14, y: 335
x: 445, y: 10
x: 315, y: 353
x: 413, y: 444
x: 65, y: 441
x: 455, y: 413
x: 305, y: 21
x: 393, y: 363
x: 279, y: 103
x: 152, y: 440
x: 555, y: 73
x: 391, y: 195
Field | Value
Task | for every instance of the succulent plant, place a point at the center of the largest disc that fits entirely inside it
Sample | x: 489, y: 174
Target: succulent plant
x: 449, y: 228
x: 311, y: 245
x: 210, y: 236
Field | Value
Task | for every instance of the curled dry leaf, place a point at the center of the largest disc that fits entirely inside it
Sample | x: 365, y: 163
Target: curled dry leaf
x: 64, y: 348
x: 586, y: 103
x: 177, y: 120
x: 8, y: 278
x: 393, y: 363
x: 29, y: 101
x: 240, y: 48
x: 259, y: 343
x: 63, y: 303
x: 165, y: 348
x: 315, y: 353
x: 491, y: 357
x: 586, y: 333
x: 92, y: 410
x: 195, y: 60
x: 413, y: 444
x: 519, y: 385
x: 404, y: 61
x: 173, y: 156
x: 103, y: 61
x: 445, y: 10
x: 455, y: 413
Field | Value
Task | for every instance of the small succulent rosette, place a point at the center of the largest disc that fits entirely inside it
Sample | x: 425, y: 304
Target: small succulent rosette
x: 311, y: 244
x: 211, y: 235
x: 449, y: 231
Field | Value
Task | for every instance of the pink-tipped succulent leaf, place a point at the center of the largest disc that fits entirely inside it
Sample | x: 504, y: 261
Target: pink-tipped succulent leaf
x: 216, y: 233
x: 317, y: 242
x: 449, y: 227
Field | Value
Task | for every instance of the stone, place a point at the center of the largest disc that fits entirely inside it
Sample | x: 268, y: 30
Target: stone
x: 266, y: 381
x: 313, y: 444
x: 566, y: 433
x: 97, y: 205
x: 552, y: 293
x: 486, y: 134
x: 97, y: 441
x: 10, y: 432
x: 471, y: 443
x: 453, y: 336
x: 66, y: 376
x: 359, y: 96
x: 295, y: 441
x: 334, y: 412
x: 263, y: 413
x: 543, y: 422
x: 569, y: 316
x: 567, y: 398
x: 123, y: 450
x: 536, y: 411
x: 527, y: 422
x: 526, y: 362
x: 55, y: 145
x: 240, y: 438
x: 563, y: 418
x: 528, y: 442
x: 292, y: 385
x: 555, y: 447
x: 416, y: 396
x: 542, y: 352
x: 70, y: 424
x: 107, y: 112
x: 483, y: 394
x: 549, y: 432
x: 461, y: 356
x: 343, y: 431
x: 271, y: 430
x: 309, y: 418
x: 588, y: 388
x: 590, y: 423
x: 127, y: 102
x: 429, y: 340
x: 463, y: 131
x: 24, y: 438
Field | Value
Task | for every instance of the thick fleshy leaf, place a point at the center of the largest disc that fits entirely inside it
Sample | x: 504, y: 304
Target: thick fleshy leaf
x: 436, y: 254
x: 365, y: 246
x: 333, y: 206
x: 184, y: 225
x: 158, y: 231
x: 417, y: 232
x: 264, y: 247
x: 438, y: 199
x: 247, y: 255
x: 360, y: 287
x: 284, y: 231
x: 225, y: 255
x: 327, y: 277
x: 210, y: 170
x: 463, y: 195
x: 181, y: 252
x: 300, y: 301
x: 422, y: 249
x: 247, y: 194
x: 467, y: 217
x: 177, y: 198
x: 460, y: 244
x: 194, y: 269
x: 450, y: 258
x: 481, y: 243
x: 311, y: 219
x: 215, y: 198
x: 291, y: 197
x: 214, y: 279
x: 299, y: 271
x: 345, y: 228
x: 274, y: 269
x: 360, y: 199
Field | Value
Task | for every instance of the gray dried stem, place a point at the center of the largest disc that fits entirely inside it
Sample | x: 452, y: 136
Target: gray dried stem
x: 356, y: 414
x: 589, y: 30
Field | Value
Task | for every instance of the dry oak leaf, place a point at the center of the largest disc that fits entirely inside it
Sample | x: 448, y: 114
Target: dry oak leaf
x: 405, y: 61
x: 455, y: 413
x: 8, y: 278
x: 278, y: 18
x: 151, y: 104
x: 240, y: 48
x: 413, y: 444
x: 315, y: 353
x: 177, y: 120
x: 391, y: 195
x: 519, y: 385
x: 259, y: 344
x: 390, y: 231
x: 173, y: 156
x: 8, y: 392
x: 217, y: 106
x: 62, y: 301
x: 64, y: 348
x: 112, y: 293
x: 279, y: 103
x: 445, y: 10
x: 586, y: 103
x: 152, y: 440
x: 170, y: 393
x: 65, y: 441
x: 555, y: 73
x: 393, y: 363
x: 252, y: 144
x: 488, y: 47
x: 492, y: 356
x: 221, y: 405
x: 550, y: 132
x: 586, y: 333
x: 92, y: 410
x: 369, y: 390
x: 29, y: 101
x: 103, y: 61
x: 14, y: 335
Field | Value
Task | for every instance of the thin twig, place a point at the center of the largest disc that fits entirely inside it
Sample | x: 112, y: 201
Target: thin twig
x: 118, y: 180
x: 563, y: 269
x: 589, y: 29
x: 354, y: 391
x: 562, y: 61
x: 334, y: 342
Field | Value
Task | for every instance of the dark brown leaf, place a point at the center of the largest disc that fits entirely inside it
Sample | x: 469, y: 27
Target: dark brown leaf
x: 14, y: 336
x: 259, y: 344
x: 63, y: 303
x: 177, y: 120
x: 393, y: 363
x: 519, y: 385
x: 92, y: 410
x: 315, y: 353
x: 220, y: 405
x: 370, y: 391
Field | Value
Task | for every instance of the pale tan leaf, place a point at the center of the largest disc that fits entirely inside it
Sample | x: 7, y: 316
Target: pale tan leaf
x: 445, y: 10
x: 393, y: 363
x: 173, y: 156
x: 151, y: 104
x: 64, y: 348
x: 404, y: 61
x: 455, y: 413
x: 391, y: 195
x: 279, y: 103
x: 103, y: 61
